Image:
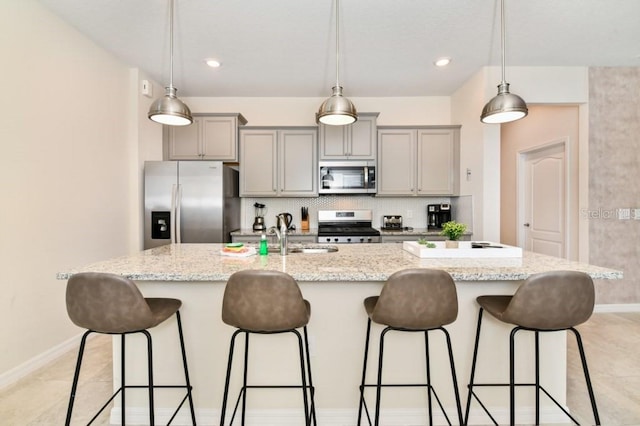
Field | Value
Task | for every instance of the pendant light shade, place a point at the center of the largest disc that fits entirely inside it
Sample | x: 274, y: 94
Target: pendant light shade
x: 505, y: 106
x: 169, y: 109
x: 337, y: 110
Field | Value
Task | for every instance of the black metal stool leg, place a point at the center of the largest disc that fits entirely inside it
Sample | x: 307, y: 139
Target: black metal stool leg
x: 379, y: 385
x: 473, y: 367
x: 537, y: 384
x: 311, y: 388
x: 228, y: 378
x: 76, y: 376
x: 453, y: 375
x: 150, y: 367
x: 428, y: 362
x: 512, y: 374
x: 307, y: 420
x: 244, y: 377
x: 122, y: 380
x: 364, y: 371
x: 587, y: 378
x: 186, y: 369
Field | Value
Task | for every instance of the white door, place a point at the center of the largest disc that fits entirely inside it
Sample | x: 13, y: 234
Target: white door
x: 543, y: 198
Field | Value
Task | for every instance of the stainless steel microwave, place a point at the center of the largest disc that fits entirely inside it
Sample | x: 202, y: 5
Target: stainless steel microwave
x: 347, y: 177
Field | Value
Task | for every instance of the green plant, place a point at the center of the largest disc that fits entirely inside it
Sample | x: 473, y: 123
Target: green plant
x: 453, y: 230
x: 423, y: 241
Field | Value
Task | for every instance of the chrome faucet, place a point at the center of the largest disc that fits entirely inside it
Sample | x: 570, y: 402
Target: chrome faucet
x: 281, y: 234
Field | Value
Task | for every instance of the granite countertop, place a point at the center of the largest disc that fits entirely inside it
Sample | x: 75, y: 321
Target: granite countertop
x: 351, y: 263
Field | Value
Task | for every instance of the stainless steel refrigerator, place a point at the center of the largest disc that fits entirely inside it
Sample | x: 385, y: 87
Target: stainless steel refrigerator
x: 189, y: 202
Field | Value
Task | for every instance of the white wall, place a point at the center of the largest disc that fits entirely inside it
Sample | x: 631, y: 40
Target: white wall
x: 301, y: 111
x: 64, y: 166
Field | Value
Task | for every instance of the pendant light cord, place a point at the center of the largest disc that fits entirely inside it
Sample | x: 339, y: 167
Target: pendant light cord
x: 171, y: 43
x: 502, y: 37
x: 337, y: 43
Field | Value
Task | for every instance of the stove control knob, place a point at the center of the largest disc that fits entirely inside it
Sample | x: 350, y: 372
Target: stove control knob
x: 369, y: 239
x: 336, y: 239
x: 328, y: 240
x: 362, y: 239
x: 348, y: 240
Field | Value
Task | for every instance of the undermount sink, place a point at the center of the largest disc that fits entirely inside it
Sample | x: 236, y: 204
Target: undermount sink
x: 313, y: 249
x: 306, y: 249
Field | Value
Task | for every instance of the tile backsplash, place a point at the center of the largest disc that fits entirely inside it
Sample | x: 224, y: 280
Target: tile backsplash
x: 412, y: 209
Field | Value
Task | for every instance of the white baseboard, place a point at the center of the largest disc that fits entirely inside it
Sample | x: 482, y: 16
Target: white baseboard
x: 617, y: 307
x: 340, y: 417
x: 10, y: 377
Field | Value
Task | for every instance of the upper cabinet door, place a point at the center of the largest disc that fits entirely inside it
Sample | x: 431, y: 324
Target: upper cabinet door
x: 184, y: 141
x: 219, y: 138
x: 362, y: 138
x: 355, y: 141
x: 298, y: 163
x: 258, y: 159
x: 438, y: 161
x: 333, y: 141
x: 396, y: 162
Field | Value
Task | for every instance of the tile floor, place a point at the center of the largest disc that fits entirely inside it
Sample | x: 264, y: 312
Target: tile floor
x: 612, y: 341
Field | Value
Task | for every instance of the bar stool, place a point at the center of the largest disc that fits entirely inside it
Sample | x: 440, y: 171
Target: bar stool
x: 412, y: 300
x: 266, y: 302
x: 546, y: 302
x: 111, y: 304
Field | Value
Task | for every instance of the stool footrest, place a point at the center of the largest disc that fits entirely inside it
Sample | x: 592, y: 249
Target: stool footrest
x: 516, y: 385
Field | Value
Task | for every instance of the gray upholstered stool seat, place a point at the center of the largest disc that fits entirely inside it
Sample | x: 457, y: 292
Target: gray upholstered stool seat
x: 112, y: 304
x: 267, y: 302
x: 546, y: 302
x: 412, y: 300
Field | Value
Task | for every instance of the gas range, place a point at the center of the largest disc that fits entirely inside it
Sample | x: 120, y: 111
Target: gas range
x: 346, y: 226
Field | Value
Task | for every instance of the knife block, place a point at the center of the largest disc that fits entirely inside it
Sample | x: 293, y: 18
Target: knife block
x: 304, y: 225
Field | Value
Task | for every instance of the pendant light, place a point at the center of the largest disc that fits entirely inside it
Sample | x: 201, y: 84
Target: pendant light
x: 337, y: 110
x: 169, y: 109
x: 505, y: 106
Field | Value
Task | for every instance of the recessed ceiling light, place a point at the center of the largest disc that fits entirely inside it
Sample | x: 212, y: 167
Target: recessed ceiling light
x: 213, y: 63
x: 442, y: 62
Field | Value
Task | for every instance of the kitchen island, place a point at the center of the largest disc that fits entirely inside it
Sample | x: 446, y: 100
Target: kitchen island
x: 335, y: 284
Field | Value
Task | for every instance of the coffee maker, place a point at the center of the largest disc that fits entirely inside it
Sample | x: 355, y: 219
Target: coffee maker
x: 258, y: 223
x: 437, y: 214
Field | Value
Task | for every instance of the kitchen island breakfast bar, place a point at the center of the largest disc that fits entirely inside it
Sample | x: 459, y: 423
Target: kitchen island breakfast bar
x: 335, y: 284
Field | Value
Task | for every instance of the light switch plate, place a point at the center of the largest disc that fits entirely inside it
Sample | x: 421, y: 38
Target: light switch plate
x: 147, y: 88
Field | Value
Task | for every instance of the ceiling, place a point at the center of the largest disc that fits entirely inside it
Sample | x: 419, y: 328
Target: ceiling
x: 387, y: 47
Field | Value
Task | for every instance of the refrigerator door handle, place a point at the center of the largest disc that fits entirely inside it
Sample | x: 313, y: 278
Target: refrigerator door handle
x: 173, y: 213
x: 178, y: 208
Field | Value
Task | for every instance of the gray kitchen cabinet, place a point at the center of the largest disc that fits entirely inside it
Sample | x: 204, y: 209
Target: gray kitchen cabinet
x: 356, y: 141
x: 209, y: 137
x: 418, y: 161
x: 279, y: 162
